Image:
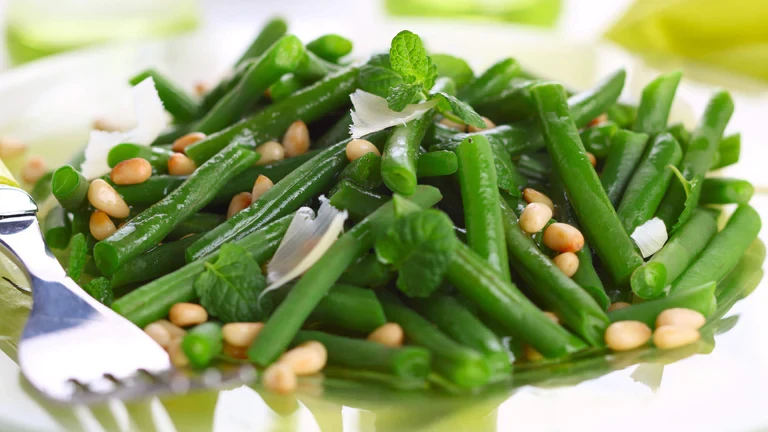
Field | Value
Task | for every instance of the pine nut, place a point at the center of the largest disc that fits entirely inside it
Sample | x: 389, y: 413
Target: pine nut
x: 105, y: 198
x: 592, y: 159
x: 488, y: 124
x: 239, y: 203
x: 359, y: 147
x: 187, y: 140
x: 602, y: 118
x: 178, y: 358
x: 261, y: 185
x: 551, y: 315
x: 270, y: 151
x: 533, y: 196
x: 681, y: 317
x: 241, y: 334
x: 296, y: 139
x: 627, y: 335
x: 101, y: 226
x: 131, y: 171
x: 159, y: 334
x: 389, y: 334
x: 562, y: 237
x: 179, y: 164
x: 187, y: 314
x: 174, y: 330
x: 306, y: 359
x: 105, y: 125
x: 618, y: 305
x: 461, y: 127
x: 535, y: 217
x: 11, y: 148
x: 279, y: 378
x: 668, y: 337
x: 236, y: 352
x: 568, y: 262
x: 33, y: 169
x: 531, y: 354
x: 201, y: 88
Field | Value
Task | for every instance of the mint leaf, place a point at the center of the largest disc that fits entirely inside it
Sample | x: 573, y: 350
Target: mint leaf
x: 453, y: 67
x: 78, y: 249
x: 100, y: 289
x: 460, y: 109
x: 378, y: 79
x: 420, y: 246
x: 409, y: 58
x: 229, y: 288
x: 403, y: 94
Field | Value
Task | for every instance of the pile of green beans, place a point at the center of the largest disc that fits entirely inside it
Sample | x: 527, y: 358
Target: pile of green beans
x: 460, y: 252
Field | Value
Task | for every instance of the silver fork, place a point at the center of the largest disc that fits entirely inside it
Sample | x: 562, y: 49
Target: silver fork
x: 73, y: 348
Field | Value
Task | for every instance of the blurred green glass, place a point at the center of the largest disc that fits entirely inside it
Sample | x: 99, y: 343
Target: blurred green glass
x: 37, y: 28
x: 532, y: 12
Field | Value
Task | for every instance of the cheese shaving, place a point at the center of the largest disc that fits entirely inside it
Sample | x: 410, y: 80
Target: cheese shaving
x: 372, y: 114
x: 650, y: 236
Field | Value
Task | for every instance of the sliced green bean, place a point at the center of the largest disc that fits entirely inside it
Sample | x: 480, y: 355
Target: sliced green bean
x: 69, y: 187
x: 726, y: 191
x: 700, y: 298
x: 599, y: 138
x: 436, y: 164
x: 741, y: 281
x: 351, y: 308
x: 728, y: 152
x: 588, y: 199
x: 398, y: 162
x: 649, y: 183
x: 364, y: 171
x: 42, y: 188
x: 408, y: 362
x: 491, y: 82
x: 285, y: 321
x: 272, y: 31
x: 480, y: 194
x: 358, y: 201
x: 57, y: 228
x: 512, y: 104
x: 195, y: 224
x: 459, y: 364
x: 724, y: 251
x: 152, y: 301
x: 338, y: 132
x: 155, y: 155
x: 656, y: 103
x: 623, y: 157
x: 698, y: 156
x: 164, y: 259
x: 175, y: 100
x: 368, y: 271
x: 622, y: 114
x: 202, y: 344
x: 677, y: 254
x: 149, y: 227
x: 587, y: 105
x: 330, y: 47
x: 681, y: 134
x: 485, y: 289
x: 287, y: 85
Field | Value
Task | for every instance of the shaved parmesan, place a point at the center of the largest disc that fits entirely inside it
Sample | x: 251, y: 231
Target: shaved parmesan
x: 307, y: 239
x: 371, y: 113
x: 150, y: 118
x: 650, y: 236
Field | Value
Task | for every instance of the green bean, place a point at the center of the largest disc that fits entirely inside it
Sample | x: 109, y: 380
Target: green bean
x: 728, y: 152
x: 286, y: 320
x: 724, y: 251
x: 286, y: 196
x: 622, y: 114
x: 272, y: 31
x: 175, y: 100
x: 309, y: 104
x: 398, y: 162
x: 598, y: 139
x: 655, y: 104
x: 681, y: 134
x: 512, y: 104
x: 172, y: 133
x: 281, y: 58
x: 369, y: 272
x: 740, y: 281
x: 195, y: 224
x: 57, y: 228
x: 649, y: 182
x: 152, y: 225
x: 480, y: 194
x: 202, y: 344
x: 556, y: 291
x: 69, y: 187
x: 338, y: 132
x: 700, y: 298
x: 164, y: 259
x: 152, y: 301
x: 587, y: 105
x: 330, y: 47
x: 356, y: 200
x: 364, y: 171
x: 42, y: 188
x: 287, y: 85
x: 677, y: 254
x: 623, y: 157
x: 456, y: 321
x: 491, y: 82
x: 155, y: 155
x: 459, y: 364
x: 408, y: 362
x: 588, y: 199
x: 726, y: 191
x: 312, y: 68
x: 436, y: 164
x: 496, y: 298
x: 699, y: 154
x: 535, y: 166
x: 351, y: 308
x: 586, y: 275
